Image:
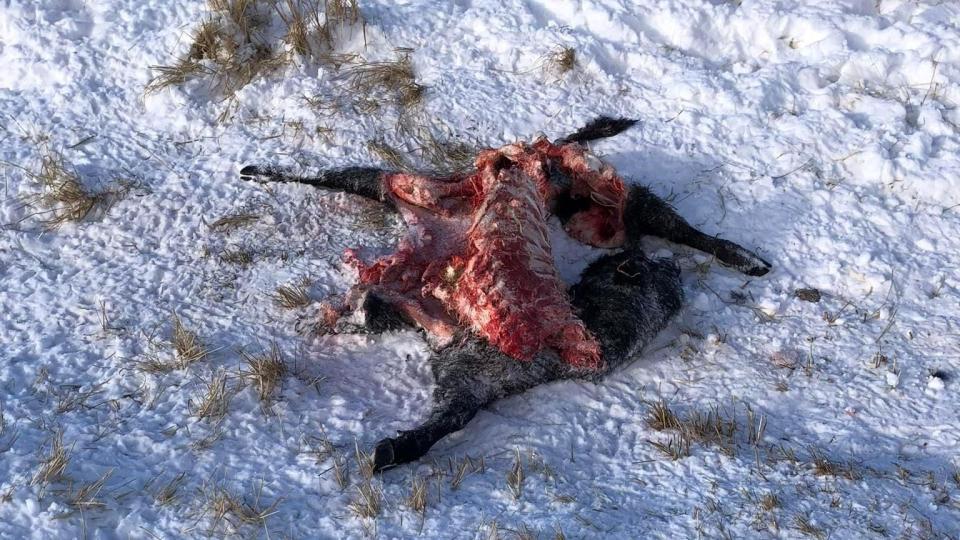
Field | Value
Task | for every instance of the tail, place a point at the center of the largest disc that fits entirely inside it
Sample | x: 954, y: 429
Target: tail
x: 599, y: 128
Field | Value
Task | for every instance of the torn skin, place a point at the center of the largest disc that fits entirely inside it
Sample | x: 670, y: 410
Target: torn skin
x: 477, y: 253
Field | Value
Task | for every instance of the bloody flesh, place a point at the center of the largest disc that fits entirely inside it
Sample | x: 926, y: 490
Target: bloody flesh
x: 477, y: 252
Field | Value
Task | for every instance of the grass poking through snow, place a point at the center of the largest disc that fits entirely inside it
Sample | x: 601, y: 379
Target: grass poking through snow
x: 187, y: 347
x: 516, y: 477
x: 54, y: 465
x: 63, y: 197
x: 291, y: 296
x: 213, y: 403
x: 265, y: 371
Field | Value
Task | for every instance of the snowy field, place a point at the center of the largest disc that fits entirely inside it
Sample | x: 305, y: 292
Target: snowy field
x: 823, y: 134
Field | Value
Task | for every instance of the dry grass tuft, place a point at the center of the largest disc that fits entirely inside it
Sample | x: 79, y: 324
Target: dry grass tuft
x: 661, y: 417
x: 770, y: 501
x: 341, y: 475
x: 53, y: 465
x: 802, y: 524
x: 364, y: 462
x: 824, y: 466
x: 291, y: 296
x: 303, y: 18
x: 238, y: 42
x: 174, y: 74
x: 233, y: 221
x: 369, y: 501
x: 237, y: 256
x: 389, y: 155
x: 87, y: 495
x: 676, y: 447
x: 396, y: 78
x: 465, y: 468
x: 559, y: 61
x: 711, y: 427
x: 186, y: 345
x: 524, y: 532
x: 231, y: 47
x: 265, y: 371
x: 313, y: 32
x: 417, y: 500
x: 214, y: 402
x: 227, y: 508
x: 443, y: 154
x: 63, y: 196
x: 167, y: 494
x: 516, y: 477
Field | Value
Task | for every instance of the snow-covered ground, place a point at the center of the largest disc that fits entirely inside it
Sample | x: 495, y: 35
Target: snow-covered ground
x: 824, y: 134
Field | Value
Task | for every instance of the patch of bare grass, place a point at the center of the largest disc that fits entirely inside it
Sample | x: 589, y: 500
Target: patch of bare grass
x: 676, y: 447
x: 316, y: 29
x: 465, y: 468
x: 443, y: 153
x: 713, y: 427
x: 293, y: 296
x: 240, y: 41
x: 803, y: 524
x: 395, y: 78
x: 824, y: 466
x: 54, y: 464
x: 369, y: 500
x: 389, y: 155
x: 169, y: 492
x: 213, y: 403
x: 87, y: 496
x: 661, y: 417
x: 187, y: 347
x: 230, y: 511
x: 64, y: 197
x: 265, y: 371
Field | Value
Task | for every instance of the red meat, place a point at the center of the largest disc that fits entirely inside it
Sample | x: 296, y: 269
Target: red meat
x: 477, y: 253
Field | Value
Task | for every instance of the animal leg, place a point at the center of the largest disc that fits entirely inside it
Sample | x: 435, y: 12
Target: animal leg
x: 364, y: 181
x: 624, y: 299
x: 647, y: 214
x: 411, y: 445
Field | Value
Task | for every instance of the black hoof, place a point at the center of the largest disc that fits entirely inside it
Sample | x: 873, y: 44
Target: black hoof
x: 383, y: 455
x: 742, y: 259
x: 760, y: 268
x: 255, y: 173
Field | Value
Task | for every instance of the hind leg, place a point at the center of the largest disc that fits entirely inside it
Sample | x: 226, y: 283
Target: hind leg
x: 624, y: 299
x: 411, y: 445
x: 647, y: 214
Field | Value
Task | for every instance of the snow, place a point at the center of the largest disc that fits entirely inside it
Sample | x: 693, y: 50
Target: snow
x: 822, y: 134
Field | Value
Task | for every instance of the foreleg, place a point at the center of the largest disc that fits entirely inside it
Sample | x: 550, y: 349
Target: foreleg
x: 364, y: 181
x: 647, y: 214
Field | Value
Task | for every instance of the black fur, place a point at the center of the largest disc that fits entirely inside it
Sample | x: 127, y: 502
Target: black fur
x: 624, y: 299
x: 649, y: 215
x: 364, y: 181
x: 599, y: 128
